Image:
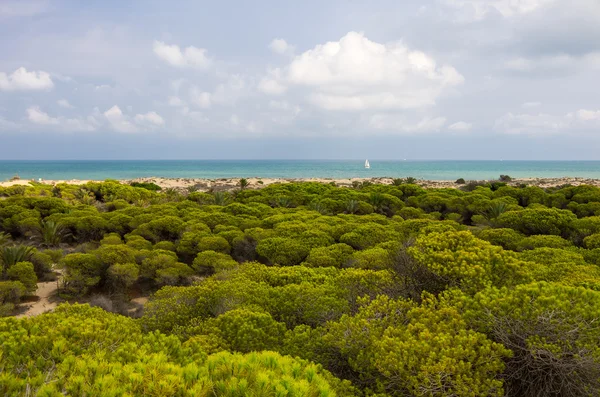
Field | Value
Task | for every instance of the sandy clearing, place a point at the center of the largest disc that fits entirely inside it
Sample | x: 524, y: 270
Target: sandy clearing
x: 45, y: 291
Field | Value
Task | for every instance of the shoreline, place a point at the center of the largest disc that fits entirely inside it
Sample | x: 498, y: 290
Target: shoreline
x: 204, y: 184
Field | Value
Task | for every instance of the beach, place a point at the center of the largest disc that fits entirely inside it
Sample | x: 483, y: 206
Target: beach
x: 225, y: 184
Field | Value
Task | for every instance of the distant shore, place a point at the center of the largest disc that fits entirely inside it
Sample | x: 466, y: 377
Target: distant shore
x: 202, y: 184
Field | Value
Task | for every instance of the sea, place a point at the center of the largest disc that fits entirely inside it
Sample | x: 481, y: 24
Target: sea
x: 335, y: 169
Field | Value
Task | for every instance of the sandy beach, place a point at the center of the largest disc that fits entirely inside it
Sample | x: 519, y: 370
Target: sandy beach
x: 200, y: 184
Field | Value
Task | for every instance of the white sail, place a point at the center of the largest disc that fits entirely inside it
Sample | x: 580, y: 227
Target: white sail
x: 367, y: 165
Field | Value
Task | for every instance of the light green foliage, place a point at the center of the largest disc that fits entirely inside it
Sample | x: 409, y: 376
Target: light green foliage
x: 435, y: 342
x: 461, y: 260
x: 214, y: 243
x: 336, y: 255
x: 175, y: 274
x: 401, y: 348
x: 138, y: 242
x: 372, y: 258
x: 156, y: 260
x: 213, y: 261
x: 552, y: 332
x: 592, y: 241
x: 10, y: 294
x: 163, y: 228
x: 558, y: 265
x: 25, y: 273
x: 242, y: 330
x: 282, y: 251
x: 111, y: 239
x: 540, y: 241
x: 123, y: 275
x: 82, y: 271
x: 538, y: 221
x: 187, y: 248
x: 381, y: 284
x: 111, y: 254
x: 164, y: 245
x: 42, y: 261
x: 508, y: 239
x: 369, y: 235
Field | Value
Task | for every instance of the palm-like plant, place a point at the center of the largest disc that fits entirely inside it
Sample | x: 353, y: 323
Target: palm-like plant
x: 4, y: 238
x: 50, y: 233
x: 352, y: 206
x: 283, y: 202
x: 243, y: 183
x: 222, y: 198
x: 318, y: 206
x: 377, y: 200
x: 495, y: 210
x: 10, y: 256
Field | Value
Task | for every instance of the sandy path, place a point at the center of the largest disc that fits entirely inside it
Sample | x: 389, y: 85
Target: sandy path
x: 44, y: 292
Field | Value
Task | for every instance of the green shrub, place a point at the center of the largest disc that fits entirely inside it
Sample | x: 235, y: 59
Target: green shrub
x: 214, y: 243
x: 532, y: 242
x: 25, y: 273
x: 146, y: 185
x: 209, y: 261
x: 336, y: 255
x: 282, y: 251
x: 551, y: 332
x: 506, y: 238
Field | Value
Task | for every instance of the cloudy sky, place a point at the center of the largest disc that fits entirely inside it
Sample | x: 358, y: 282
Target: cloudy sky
x: 329, y: 79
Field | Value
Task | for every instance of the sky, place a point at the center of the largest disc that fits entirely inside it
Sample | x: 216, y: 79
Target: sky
x: 329, y: 79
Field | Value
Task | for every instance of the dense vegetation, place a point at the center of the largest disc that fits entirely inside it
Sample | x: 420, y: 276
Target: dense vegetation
x: 304, y: 289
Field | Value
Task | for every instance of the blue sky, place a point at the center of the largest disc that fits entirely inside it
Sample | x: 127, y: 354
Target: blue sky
x: 438, y: 79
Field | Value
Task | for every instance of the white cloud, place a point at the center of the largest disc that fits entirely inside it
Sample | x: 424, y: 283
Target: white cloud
x: 35, y: 115
x: 479, y: 9
x: 39, y: 117
x: 585, y: 115
x: 22, y: 80
x: 271, y: 86
x: 176, y: 101
x: 118, y: 121
x: 228, y: 93
x: 544, y: 123
x: 200, y: 98
x: 356, y: 73
x: 540, y: 123
x: 150, y: 118
x: 400, y: 123
x: 460, y: 126
x: 63, y: 103
x: 190, y: 57
x: 280, y: 46
x: 553, y: 63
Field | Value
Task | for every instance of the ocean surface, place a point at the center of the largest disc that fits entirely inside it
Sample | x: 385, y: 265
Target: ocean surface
x: 338, y: 169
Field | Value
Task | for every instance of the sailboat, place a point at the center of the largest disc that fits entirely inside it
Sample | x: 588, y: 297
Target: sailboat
x: 367, y: 165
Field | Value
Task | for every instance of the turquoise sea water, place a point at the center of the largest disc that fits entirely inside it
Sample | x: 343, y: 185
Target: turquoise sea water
x: 438, y: 170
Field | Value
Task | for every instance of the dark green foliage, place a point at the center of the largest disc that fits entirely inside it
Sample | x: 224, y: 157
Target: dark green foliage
x: 146, y: 185
x: 11, y: 255
x: 50, y: 234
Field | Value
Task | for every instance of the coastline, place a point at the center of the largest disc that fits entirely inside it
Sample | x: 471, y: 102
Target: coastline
x: 204, y: 184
